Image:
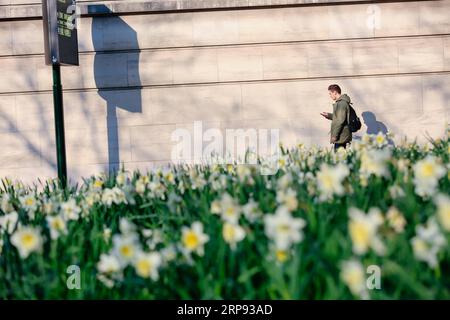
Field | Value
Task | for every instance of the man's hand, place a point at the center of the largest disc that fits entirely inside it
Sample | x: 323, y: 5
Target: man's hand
x: 333, y: 139
x: 325, y: 115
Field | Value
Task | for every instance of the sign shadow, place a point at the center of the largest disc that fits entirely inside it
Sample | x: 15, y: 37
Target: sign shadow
x: 112, y: 74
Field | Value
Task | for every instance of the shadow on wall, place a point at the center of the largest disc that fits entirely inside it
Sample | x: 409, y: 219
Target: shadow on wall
x: 129, y: 100
x: 373, y: 125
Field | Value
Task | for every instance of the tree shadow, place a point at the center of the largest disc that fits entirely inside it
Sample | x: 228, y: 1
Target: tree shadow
x: 104, y: 76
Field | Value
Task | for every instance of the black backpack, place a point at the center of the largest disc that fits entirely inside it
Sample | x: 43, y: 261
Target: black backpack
x: 354, y: 123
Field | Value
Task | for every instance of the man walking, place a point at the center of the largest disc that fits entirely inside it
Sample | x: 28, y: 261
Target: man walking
x: 340, y: 131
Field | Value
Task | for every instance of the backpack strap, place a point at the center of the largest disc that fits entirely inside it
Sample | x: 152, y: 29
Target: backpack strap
x: 348, y: 113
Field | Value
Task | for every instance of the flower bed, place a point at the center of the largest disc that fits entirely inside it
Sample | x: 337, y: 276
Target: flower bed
x: 369, y: 222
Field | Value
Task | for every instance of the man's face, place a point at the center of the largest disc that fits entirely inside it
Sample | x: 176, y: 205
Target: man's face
x: 333, y: 95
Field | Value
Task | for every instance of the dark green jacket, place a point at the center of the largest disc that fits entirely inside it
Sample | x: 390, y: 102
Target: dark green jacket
x: 339, y: 120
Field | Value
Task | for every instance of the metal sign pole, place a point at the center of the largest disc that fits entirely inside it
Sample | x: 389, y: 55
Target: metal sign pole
x: 61, y: 48
x: 59, y: 125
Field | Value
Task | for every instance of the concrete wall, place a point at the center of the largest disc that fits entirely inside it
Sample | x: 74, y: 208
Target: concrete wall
x: 251, y: 64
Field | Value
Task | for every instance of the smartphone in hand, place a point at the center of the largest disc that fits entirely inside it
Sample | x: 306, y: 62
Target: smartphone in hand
x: 325, y: 115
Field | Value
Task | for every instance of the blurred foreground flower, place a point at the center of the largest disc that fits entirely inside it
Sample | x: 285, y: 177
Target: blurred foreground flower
x: 353, y: 275
x: 363, y: 230
x: 329, y: 180
x: 428, y: 242
x: 193, y: 239
x: 283, y: 229
x: 27, y: 240
x: 427, y: 173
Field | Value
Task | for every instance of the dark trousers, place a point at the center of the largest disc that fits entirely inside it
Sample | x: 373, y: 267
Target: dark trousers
x: 338, y: 145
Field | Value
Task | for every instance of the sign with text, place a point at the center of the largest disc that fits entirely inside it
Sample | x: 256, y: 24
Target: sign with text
x: 60, y: 32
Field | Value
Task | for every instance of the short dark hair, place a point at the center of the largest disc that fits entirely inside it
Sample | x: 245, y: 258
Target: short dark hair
x: 334, y: 87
